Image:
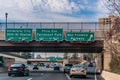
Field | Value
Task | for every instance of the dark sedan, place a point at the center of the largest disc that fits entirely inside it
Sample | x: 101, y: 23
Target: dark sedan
x: 18, y: 69
x: 57, y: 67
x: 67, y: 68
x: 35, y: 67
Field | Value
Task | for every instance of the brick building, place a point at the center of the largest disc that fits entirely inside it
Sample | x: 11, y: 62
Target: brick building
x: 109, y: 26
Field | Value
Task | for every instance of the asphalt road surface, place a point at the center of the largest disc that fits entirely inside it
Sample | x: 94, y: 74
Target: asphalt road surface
x: 48, y: 76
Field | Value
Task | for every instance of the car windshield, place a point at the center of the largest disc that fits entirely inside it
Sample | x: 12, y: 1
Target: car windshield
x: 16, y: 65
x: 35, y: 65
x: 76, y: 66
x: 68, y: 65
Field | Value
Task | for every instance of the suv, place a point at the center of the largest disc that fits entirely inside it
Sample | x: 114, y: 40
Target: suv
x: 57, y: 67
x: 18, y: 69
x: 35, y: 67
x: 90, y: 64
x: 41, y: 64
x: 67, y: 68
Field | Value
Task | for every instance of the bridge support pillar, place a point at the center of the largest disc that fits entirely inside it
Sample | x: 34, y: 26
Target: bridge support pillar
x: 102, y: 61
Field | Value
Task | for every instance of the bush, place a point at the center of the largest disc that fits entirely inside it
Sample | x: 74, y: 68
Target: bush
x: 114, y: 66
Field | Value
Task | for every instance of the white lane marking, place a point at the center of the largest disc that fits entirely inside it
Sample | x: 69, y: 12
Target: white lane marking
x: 42, y: 73
x: 29, y: 79
x: 95, y: 74
x: 67, y: 76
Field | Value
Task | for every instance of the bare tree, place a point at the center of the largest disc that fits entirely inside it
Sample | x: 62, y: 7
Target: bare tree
x: 112, y: 37
x: 113, y: 6
x: 65, y: 55
x: 75, y: 56
x: 26, y: 55
x: 38, y: 56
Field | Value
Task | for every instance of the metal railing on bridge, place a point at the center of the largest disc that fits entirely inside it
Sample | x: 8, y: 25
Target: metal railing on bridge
x: 95, y: 27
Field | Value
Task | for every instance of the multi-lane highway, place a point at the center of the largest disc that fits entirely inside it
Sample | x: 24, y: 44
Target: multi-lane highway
x: 48, y: 76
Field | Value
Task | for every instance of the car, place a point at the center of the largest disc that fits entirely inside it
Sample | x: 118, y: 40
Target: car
x: 41, y: 64
x: 67, y: 68
x: 90, y: 64
x: 35, y: 67
x: 48, y: 66
x: 18, y: 69
x: 57, y: 67
x: 78, y: 70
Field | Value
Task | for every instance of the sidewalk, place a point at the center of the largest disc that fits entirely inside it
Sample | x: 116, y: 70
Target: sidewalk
x: 110, y: 76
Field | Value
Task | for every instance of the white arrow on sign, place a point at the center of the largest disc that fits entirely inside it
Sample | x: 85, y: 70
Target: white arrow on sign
x: 90, y: 37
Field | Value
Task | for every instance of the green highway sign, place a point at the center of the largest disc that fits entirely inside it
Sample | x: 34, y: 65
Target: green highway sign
x: 49, y: 34
x: 52, y: 59
x: 80, y: 36
x: 18, y: 34
x: 58, y: 58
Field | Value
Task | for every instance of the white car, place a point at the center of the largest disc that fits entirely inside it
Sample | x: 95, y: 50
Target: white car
x: 78, y: 70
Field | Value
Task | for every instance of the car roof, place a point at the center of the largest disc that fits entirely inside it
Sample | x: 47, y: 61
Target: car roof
x: 16, y: 65
x: 68, y: 64
x: 78, y: 65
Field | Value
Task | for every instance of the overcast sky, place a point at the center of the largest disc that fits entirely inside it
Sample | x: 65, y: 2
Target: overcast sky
x: 52, y: 10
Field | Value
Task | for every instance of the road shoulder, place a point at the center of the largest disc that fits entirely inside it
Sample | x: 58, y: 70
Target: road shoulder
x: 110, y: 76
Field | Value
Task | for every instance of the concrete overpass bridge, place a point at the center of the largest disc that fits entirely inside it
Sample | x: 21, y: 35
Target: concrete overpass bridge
x: 55, y: 46
x: 96, y: 46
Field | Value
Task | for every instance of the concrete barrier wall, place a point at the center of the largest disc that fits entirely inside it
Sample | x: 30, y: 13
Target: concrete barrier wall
x: 2, y: 35
x: 110, y: 76
x: 3, y: 69
x: 17, y: 59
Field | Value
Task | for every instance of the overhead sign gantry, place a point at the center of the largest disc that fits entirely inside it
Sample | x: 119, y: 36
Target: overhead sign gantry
x: 80, y: 36
x: 18, y: 34
x: 49, y: 34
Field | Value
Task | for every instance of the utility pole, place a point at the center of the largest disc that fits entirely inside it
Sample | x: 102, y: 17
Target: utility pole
x: 6, y: 14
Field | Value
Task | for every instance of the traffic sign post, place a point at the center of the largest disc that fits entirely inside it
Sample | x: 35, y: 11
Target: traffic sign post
x: 49, y: 34
x: 18, y: 34
x: 80, y: 36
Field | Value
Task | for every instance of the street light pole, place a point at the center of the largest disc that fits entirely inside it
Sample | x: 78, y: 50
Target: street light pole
x: 6, y: 14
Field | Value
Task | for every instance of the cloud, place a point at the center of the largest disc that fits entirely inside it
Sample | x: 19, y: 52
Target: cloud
x: 50, y: 10
x: 15, y: 9
x: 101, y: 9
x: 57, y: 6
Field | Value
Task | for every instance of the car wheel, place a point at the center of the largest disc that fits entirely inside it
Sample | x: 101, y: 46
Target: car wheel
x: 23, y: 74
x: 71, y: 76
x: 84, y: 76
x: 27, y: 74
x: 9, y: 74
x: 68, y: 73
